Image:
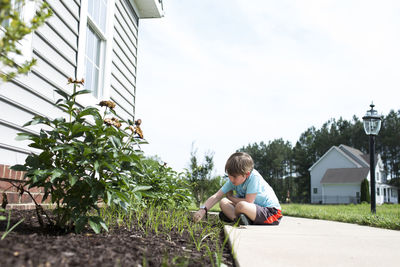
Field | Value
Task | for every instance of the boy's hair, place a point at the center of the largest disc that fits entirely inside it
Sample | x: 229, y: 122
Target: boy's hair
x: 239, y: 163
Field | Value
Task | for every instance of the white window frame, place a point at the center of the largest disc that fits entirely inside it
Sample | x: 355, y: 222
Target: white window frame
x: 25, y: 44
x: 105, y: 58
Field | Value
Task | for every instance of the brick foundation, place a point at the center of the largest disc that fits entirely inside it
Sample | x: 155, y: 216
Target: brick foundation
x: 15, y: 199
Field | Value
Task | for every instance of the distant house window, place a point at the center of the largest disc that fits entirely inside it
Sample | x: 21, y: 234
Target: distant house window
x: 377, y: 191
x: 95, y: 45
x: 315, y: 190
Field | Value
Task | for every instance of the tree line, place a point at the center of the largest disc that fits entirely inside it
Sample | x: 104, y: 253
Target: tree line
x: 285, y: 167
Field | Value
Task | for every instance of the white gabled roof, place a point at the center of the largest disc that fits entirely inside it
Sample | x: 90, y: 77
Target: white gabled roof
x: 357, y: 164
x: 356, y: 154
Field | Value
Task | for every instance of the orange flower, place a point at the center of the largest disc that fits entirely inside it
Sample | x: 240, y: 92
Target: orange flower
x: 113, y: 121
x: 107, y: 103
x: 108, y: 121
x: 70, y: 80
x: 139, y: 131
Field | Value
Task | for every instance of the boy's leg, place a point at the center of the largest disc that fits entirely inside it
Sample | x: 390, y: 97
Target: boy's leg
x: 228, y: 208
x: 249, y: 209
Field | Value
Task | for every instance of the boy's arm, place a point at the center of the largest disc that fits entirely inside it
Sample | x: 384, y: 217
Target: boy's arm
x: 249, y: 198
x: 210, y: 202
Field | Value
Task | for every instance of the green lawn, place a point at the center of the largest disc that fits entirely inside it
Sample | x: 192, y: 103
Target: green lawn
x: 387, y: 215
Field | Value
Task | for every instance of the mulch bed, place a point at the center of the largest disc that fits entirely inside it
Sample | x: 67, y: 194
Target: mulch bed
x: 30, y: 245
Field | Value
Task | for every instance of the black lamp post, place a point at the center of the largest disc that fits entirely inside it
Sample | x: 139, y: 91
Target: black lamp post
x: 372, y: 125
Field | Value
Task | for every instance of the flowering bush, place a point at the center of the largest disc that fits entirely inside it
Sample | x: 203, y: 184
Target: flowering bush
x: 85, y: 158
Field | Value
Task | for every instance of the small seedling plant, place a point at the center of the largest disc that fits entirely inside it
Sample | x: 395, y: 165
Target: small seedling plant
x: 203, y: 238
x: 85, y: 158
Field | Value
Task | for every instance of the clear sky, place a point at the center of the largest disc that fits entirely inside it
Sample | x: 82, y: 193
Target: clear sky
x: 227, y: 73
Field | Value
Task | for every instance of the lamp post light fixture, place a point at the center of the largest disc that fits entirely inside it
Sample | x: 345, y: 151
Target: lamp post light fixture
x: 372, y: 125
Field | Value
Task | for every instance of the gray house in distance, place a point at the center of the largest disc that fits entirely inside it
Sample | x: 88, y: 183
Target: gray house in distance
x: 91, y: 39
x: 336, y: 177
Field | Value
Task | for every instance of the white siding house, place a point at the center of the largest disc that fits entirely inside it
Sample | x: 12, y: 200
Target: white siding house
x: 336, y: 177
x: 91, y: 39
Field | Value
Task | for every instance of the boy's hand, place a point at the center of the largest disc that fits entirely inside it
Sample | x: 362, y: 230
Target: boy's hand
x: 199, y: 215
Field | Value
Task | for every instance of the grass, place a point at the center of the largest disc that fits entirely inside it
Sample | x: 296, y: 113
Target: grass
x: 387, y: 216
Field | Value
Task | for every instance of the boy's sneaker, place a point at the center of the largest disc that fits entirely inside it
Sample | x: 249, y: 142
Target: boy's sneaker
x: 224, y: 218
x: 244, y: 220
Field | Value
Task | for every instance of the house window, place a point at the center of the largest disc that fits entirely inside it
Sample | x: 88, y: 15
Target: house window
x: 95, y: 45
x: 315, y: 190
x: 378, y: 191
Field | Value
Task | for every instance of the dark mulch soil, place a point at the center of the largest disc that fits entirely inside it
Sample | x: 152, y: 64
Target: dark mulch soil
x: 29, y: 245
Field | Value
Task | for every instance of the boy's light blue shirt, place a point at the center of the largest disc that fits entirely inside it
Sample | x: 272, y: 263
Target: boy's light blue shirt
x: 254, y: 184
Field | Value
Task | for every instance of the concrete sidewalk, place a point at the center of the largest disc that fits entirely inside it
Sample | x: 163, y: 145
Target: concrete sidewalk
x: 307, y: 242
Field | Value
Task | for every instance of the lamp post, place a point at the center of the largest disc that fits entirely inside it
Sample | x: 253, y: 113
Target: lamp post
x: 372, y: 125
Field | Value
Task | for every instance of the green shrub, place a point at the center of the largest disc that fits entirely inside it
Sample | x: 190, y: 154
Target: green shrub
x: 85, y: 158
x: 365, y: 196
x: 168, y: 188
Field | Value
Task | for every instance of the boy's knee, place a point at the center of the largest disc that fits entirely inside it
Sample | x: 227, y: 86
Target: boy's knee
x: 240, y: 206
x: 223, y: 202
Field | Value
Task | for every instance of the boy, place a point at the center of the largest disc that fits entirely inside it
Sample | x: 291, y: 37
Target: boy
x: 255, y: 201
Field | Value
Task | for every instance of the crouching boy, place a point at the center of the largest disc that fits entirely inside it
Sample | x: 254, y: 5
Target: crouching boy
x: 249, y: 198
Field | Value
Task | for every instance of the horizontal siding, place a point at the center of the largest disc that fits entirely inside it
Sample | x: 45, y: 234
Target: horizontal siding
x: 72, y: 7
x: 126, y: 103
x: 58, y: 56
x: 55, y: 49
x: 128, y: 70
x: 124, y: 58
x: 121, y: 24
x: 130, y: 63
x: 66, y: 48
x: 121, y: 76
x: 126, y: 8
x: 55, y: 46
x: 50, y: 70
x: 38, y: 104
x: 62, y: 12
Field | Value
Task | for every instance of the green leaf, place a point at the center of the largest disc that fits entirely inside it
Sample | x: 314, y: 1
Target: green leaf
x: 62, y: 93
x: 72, y: 179
x: 95, y: 224
x: 23, y: 136
x: 81, y: 92
x: 89, y: 111
x: 109, y: 197
x: 104, y: 225
x: 55, y: 174
x: 87, y: 151
x: 96, y: 166
x: 80, y: 223
x: 141, y: 188
x: 115, y: 141
x: 18, y: 167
